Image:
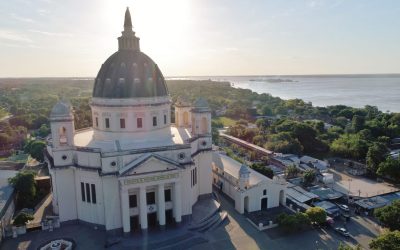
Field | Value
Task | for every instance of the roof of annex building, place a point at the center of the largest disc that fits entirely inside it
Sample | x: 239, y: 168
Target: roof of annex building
x: 232, y: 167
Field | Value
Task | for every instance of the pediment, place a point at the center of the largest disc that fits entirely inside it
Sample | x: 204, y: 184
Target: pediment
x: 149, y: 163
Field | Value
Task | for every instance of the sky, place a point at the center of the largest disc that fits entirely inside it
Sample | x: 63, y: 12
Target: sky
x: 72, y: 38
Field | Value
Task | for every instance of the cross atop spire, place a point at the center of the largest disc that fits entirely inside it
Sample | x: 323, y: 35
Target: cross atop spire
x: 128, y: 40
x: 128, y: 20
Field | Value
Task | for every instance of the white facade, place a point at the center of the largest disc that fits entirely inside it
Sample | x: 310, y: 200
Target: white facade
x: 250, y: 190
x: 132, y: 169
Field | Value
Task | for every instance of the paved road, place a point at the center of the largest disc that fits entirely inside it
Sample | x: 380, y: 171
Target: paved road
x: 240, y: 234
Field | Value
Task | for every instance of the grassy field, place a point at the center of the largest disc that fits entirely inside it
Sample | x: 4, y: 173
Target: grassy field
x: 225, y: 120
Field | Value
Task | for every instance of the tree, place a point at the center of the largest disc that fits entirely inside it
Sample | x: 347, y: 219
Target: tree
x: 266, y: 110
x: 316, y: 215
x: 309, y: 176
x: 390, y: 168
x: 263, y: 170
x: 25, y: 186
x: 375, y: 155
x: 35, y: 149
x: 386, y: 241
x: 291, y: 171
x: 357, y: 123
x: 284, y: 143
x: 293, y: 222
x: 350, y: 145
x: 389, y: 216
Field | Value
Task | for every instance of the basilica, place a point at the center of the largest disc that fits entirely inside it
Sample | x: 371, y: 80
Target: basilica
x: 132, y: 169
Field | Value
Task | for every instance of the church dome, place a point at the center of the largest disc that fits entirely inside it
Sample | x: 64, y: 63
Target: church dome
x: 129, y: 73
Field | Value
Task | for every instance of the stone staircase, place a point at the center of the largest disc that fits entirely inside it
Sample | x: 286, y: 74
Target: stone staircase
x: 210, y: 219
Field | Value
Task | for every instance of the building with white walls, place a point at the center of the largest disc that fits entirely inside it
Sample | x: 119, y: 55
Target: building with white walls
x: 133, y: 169
x: 250, y: 190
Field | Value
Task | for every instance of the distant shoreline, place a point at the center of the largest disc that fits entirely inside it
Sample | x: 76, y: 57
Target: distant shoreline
x: 184, y: 77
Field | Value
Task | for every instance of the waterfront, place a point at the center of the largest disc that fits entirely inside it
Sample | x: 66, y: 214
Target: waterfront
x: 382, y: 91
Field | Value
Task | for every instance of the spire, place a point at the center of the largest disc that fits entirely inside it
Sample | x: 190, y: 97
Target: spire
x: 128, y: 40
x: 128, y: 20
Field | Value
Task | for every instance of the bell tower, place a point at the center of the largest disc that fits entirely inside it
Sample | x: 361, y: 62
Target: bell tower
x: 244, y: 177
x: 201, y: 118
x: 62, y: 126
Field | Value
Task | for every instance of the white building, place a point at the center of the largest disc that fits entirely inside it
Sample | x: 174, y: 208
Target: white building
x: 132, y: 169
x: 250, y: 190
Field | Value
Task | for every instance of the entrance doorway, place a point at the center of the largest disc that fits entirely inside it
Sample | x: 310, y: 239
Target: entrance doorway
x: 152, y: 220
x: 134, y: 223
x: 264, y: 203
x: 169, y: 217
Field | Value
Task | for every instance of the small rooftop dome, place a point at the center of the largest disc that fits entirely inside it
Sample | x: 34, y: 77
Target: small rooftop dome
x: 244, y: 170
x: 61, y: 109
x: 201, y: 105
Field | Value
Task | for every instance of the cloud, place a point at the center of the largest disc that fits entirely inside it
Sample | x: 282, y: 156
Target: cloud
x: 322, y: 3
x: 231, y: 49
x: 20, y: 18
x: 42, y: 12
x: 54, y: 34
x: 14, y: 36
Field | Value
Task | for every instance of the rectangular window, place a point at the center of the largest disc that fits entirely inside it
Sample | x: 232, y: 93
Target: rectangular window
x: 132, y: 201
x: 97, y: 122
x: 87, y: 192
x: 154, y: 121
x: 83, y: 191
x: 122, y: 123
x: 93, y: 193
x: 195, y: 176
x: 151, y: 198
x: 107, y: 122
x: 167, y: 194
x: 139, y: 123
x: 165, y: 119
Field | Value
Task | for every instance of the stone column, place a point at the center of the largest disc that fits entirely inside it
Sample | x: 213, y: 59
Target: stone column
x: 143, y: 208
x: 161, y: 205
x: 177, y: 202
x: 126, y: 220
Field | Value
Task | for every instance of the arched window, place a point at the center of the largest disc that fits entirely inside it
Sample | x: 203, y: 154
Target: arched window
x: 185, y: 119
x: 63, y: 135
x: 204, y: 125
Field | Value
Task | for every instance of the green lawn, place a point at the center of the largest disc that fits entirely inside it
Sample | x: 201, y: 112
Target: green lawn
x: 225, y: 120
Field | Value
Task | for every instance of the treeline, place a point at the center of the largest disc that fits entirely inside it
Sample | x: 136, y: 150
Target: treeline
x: 290, y: 126
x: 362, y: 134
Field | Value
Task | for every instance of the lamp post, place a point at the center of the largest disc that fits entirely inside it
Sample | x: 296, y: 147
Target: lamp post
x: 348, y: 196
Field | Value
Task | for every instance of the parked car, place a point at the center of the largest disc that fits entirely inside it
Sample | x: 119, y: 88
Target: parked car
x: 344, y: 207
x: 342, y: 231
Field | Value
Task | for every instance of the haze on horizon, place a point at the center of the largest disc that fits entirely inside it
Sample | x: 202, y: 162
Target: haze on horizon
x: 49, y: 38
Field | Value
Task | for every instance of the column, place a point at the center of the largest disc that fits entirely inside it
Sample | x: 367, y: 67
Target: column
x: 177, y: 202
x: 143, y: 208
x: 161, y: 205
x: 126, y: 220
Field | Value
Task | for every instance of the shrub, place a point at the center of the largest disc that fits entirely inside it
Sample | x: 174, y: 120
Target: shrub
x: 22, y: 219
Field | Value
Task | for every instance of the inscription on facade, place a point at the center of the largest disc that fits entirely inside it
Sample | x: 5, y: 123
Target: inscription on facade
x: 150, y: 179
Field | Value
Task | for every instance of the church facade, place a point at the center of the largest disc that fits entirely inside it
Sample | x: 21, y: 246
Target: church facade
x: 133, y: 168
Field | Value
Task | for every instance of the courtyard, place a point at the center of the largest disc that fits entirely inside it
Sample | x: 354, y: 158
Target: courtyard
x: 359, y: 186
